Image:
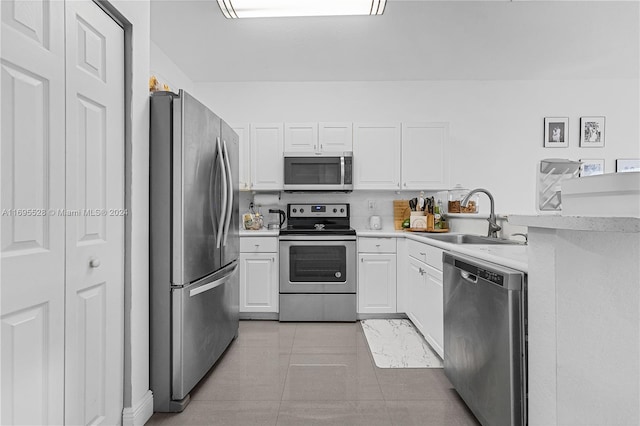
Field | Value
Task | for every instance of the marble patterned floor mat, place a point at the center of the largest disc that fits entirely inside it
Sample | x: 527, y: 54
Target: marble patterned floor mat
x: 395, y: 343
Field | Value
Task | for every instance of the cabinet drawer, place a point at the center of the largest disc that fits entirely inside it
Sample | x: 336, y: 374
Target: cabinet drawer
x: 258, y: 244
x: 424, y: 252
x: 376, y: 245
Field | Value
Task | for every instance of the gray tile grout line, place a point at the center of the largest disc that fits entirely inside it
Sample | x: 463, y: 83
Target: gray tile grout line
x: 284, y: 385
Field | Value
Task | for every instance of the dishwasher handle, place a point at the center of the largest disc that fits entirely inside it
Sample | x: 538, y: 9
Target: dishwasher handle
x: 469, y: 277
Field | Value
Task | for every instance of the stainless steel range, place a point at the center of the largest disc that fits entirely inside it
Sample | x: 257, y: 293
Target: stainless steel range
x: 318, y: 264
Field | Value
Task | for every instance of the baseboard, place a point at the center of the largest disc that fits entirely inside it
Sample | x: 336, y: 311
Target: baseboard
x: 259, y: 316
x: 140, y: 413
x: 382, y: 316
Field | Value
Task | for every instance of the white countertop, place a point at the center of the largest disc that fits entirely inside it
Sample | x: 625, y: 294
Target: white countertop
x: 264, y: 232
x: 512, y: 256
x: 578, y: 223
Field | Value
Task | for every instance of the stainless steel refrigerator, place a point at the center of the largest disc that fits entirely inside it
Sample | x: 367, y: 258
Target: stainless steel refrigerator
x: 194, y: 244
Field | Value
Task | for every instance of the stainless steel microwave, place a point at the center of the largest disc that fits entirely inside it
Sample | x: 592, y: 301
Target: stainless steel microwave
x: 318, y: 171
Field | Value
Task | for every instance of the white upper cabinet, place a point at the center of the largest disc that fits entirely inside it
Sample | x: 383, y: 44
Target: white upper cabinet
x: 244, y: 169
x: 376, y: 155
x: 301, y: 137
x: 425, y: 156
x: 318, y: 137
x: 335, y: 137
x: 267, y: 161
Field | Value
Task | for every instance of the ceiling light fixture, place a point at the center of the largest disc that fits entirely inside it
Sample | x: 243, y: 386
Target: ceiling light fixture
x: 234, y: 9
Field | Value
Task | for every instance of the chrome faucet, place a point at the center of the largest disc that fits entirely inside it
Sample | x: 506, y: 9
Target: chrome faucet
x: 493, y: 225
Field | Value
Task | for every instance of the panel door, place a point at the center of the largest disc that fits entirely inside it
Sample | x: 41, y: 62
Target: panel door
x: 425, y: 155
x: 267, y: 163
x: 376, y: 156
x: 335, y: 137
x: 32, y: 154
x: 301, y: 137
x: 258, y: 282
x: 434, y: 314
x: 95, y: 227
x: 377, y: 283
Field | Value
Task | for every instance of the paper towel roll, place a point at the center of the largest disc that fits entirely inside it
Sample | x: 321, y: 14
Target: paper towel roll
x: 266, y: 200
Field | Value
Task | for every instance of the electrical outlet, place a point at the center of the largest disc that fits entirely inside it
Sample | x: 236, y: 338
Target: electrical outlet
x: 372, y: 205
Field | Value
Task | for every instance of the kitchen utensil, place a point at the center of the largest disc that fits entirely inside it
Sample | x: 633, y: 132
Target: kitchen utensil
x: 412, y: 204
x: 421, y: 201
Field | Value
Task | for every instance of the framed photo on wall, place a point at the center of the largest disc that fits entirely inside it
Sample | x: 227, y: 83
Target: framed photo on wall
x: 591, y: 132
x: 556, y: 132
x: 627, y: 165
x: 591, y: 167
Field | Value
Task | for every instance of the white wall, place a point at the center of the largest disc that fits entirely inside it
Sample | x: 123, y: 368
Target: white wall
x: 496, y: 131
x: 168, y: 72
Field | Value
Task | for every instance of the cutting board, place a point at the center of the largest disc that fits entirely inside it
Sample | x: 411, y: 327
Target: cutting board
x: 401, y: 211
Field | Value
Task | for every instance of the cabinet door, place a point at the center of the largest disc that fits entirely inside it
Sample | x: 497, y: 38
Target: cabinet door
x: 267, y: 163
x: 301, y: 137
x: 258, y: 282
x: 335, y: 137
x: 425, y: 156
x: 376, y: 156
x: 377, y: 283
x: 417, y: 293
x: 244, y: 167
x: 434, y: 315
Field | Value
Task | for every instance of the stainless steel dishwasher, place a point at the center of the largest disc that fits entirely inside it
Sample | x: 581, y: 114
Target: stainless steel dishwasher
x: 485, y: 352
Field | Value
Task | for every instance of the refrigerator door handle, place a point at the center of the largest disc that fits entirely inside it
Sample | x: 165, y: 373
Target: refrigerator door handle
x: 212, y: 194
x: 213, y: 284
x: 223, y: 209
x: 230, y: 190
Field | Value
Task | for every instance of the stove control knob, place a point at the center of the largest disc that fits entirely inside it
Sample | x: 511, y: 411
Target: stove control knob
x: 335, y: 210
x: 341, y: 210
x: 295, y: 210
x: 301, y: 210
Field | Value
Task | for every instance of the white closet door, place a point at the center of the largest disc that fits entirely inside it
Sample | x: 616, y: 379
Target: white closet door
x: 95, y: 238
x: 32, y: 237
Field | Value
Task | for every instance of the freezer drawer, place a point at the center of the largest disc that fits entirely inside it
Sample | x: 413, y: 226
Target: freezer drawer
x: 204, y: 321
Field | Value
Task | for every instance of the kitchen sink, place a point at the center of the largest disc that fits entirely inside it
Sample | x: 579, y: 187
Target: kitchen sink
x: 472, y: 239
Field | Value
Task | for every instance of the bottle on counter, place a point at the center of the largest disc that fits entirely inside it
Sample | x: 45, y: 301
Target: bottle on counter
x: 437, y: 213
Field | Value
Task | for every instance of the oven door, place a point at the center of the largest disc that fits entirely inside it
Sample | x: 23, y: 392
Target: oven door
x: 317, y: 266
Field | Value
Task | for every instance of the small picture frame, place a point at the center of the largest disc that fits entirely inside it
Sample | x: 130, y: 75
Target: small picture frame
x: 591, y: 132
x: 591, y: 166
x: 627, y: 165
x: 556, y: 132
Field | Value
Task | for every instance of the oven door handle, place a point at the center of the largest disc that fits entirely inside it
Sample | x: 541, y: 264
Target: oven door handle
x: 313, y: 238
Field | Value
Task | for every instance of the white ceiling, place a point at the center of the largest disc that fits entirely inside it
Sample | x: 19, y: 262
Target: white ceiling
x: 413, y: 40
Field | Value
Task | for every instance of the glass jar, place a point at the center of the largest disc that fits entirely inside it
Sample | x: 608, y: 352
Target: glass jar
x: 456, y: 195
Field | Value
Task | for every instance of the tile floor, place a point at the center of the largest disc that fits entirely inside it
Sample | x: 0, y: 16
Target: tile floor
x: 308, y: 374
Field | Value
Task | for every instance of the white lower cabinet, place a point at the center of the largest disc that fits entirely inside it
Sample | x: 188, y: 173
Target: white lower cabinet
x: 434, y: 315
x: 376, y: 275
x: 259, y: 274
x: 416, y: 293
x: 424, y: 292
x: 376, y: 283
